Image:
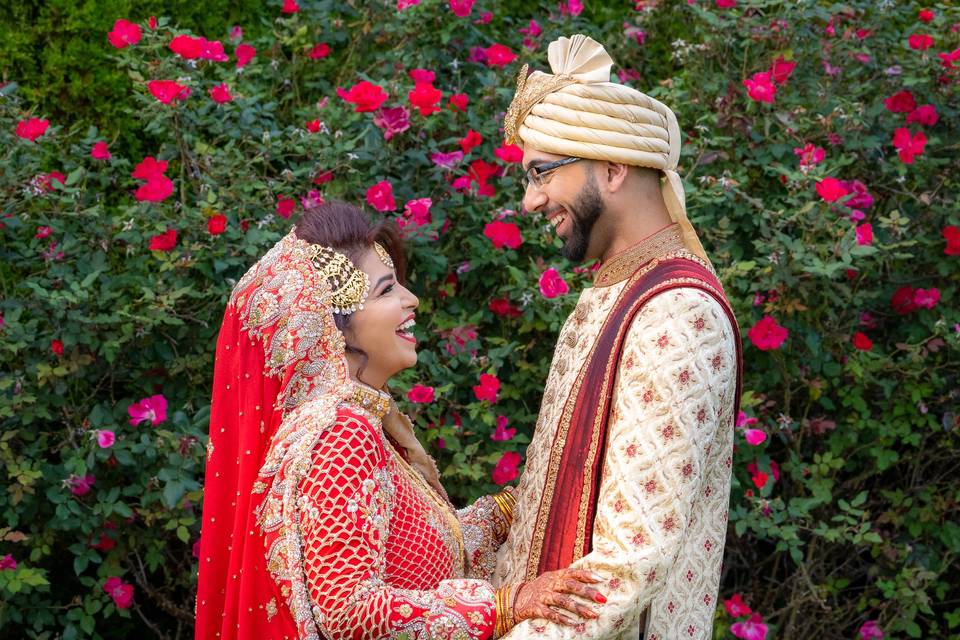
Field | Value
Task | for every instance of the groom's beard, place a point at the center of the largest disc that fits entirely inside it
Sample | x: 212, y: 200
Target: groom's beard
x: 586, y: 212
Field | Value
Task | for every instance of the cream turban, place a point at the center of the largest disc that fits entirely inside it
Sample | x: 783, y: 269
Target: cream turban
x: 577, y: 111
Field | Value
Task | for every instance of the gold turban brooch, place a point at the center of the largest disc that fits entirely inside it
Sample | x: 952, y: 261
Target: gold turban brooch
x: 577, y: 111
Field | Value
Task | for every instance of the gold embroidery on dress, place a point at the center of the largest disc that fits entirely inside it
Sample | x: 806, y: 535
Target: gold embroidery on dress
x: 625, y: 264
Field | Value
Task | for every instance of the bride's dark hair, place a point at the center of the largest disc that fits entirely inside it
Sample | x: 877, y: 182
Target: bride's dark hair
x: 346, y: 228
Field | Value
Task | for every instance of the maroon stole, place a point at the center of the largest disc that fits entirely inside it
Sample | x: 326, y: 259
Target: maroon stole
x: 569, y: 504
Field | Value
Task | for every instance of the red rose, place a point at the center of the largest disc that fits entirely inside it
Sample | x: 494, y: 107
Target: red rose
x: 781, y: 70
x: 470, y: 141
x: 459, y: 101
x: 509, y: 153
x: 100, y: 151
x: 909, y: 146
x: 380, y: 196
x: 124, y: 34
x: 285, y: 206
x: 57, y: 347
x: 216, y: 224
x: 920, y: 41
x: 499, y: 55
x: 290, y: 6
x: 901, y: 102
x: 165, y: 241
x: 156, y: 189
x: 32, y: 128
x: 925, y: 115
x: 862, y: 342
x: 245, y: 53
x: 736, y: 607
x: 319, y: 51
x: 767, y: 335
x: 314, y: 126
x: 503, y: 234
x: 506, y: 469
x: 925, y: 15
x: 221, y: 93
x: 864, y: 233
x: 425, y: 98
x: 323, y: 177
x: 148, y: 168
x: 166, y: 91
x: 902, y: 300
x: 422, y: 75
x: 420, y: 394
x: 43, y: 232
x: 488, y: 388
x: 503, y: 307
x: 831, y: 189
x: 365, y: 96
x: 952, y: 235
x: 187, y: 47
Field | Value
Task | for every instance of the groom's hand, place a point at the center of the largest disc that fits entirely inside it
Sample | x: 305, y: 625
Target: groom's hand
x: 536, y: 598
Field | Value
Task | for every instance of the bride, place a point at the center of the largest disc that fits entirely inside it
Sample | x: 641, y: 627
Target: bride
x: 323, y: 516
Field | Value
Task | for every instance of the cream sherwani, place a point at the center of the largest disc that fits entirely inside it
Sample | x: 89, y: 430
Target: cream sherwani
x: 662, y: 511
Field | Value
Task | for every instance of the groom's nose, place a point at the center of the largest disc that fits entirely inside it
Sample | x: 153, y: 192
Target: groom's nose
x: 533, y: 198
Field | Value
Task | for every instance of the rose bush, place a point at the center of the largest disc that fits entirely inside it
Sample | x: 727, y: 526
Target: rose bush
x: 820, y: 161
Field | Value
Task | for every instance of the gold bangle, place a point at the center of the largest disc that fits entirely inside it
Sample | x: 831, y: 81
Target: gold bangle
x: 506, y: 501
x: 504, y: 611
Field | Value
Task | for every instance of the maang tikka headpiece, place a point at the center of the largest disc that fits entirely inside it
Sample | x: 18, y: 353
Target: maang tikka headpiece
x: 349, y: 285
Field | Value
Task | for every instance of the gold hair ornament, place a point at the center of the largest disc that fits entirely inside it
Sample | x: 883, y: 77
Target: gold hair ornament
x: 349, y: 286
x: 383, y: 255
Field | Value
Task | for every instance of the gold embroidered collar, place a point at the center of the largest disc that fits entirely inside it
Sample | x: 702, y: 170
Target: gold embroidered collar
x: 624, y: 264
x: 371, y: 400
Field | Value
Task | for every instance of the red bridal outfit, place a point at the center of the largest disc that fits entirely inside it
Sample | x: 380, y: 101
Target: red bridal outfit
x: 315, y: 525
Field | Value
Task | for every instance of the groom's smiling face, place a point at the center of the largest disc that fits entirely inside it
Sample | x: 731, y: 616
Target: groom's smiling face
x: 569, y: 198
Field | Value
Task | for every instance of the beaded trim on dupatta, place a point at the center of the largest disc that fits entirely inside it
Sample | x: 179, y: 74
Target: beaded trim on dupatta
x: 284, y: 301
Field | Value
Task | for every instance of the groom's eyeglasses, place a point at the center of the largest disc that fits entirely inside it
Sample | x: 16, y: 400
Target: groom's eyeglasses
x: 539, y: 174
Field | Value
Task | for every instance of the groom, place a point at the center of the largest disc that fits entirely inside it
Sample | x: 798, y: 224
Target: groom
x: 628, y: 472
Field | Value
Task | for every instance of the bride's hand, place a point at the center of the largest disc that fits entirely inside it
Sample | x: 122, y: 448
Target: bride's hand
x: 534, y: 599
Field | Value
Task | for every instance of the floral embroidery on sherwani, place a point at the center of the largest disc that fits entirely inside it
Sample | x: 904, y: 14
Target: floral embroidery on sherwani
x: 662, y: 508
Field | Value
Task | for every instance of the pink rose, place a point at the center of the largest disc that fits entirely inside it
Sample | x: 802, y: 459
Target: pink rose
x: 909, y: 146
x: 926, y: 298
x: 152, y: 410
x: 925, y: 115
x: 501, y: 433
x: 461, y: 8
x: 760, y: 87
x: 767, y: 335
x: 392, y: 120
x: 100, y: 151
x: 380, y: 196
x: 105, y: 438
x: 7, y: 563
x: 124, y: 34
x: 509, y: 153
x: 755, y: 437
x: 864, y: 234
x: 80, y: 485
x: 870, y: 630
x: 752, y: 629
x: 120, y: 591
x: 551, y: 284
x: 418, y: 211
x: 506, y: 469
x: 498, y: 55
x: 290, y: 7
x: 736, y: 607
x: 245, y: 53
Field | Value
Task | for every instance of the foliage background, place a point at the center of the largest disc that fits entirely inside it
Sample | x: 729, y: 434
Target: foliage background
x: 861, y: 523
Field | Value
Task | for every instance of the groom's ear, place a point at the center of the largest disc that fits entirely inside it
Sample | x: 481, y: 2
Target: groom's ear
x: 614, y: 176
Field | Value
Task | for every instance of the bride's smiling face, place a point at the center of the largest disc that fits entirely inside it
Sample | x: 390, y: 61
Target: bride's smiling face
x: 383, y: 330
